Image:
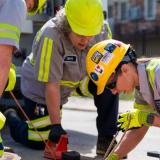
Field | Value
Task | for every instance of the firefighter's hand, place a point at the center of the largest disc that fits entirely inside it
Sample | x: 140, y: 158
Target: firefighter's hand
x: 56, y: 132
x: 134, y: 119
x: 11, y: 79
x: 112, y: 156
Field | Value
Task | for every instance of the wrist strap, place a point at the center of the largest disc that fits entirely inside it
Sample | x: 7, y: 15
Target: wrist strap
x: 150, y: 119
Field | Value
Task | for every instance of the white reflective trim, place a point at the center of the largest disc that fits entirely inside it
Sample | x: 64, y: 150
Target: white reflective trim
x: 32, y: 135
x: 40, y: 122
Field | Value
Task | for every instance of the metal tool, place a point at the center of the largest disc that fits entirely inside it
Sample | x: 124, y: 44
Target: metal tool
x: 108, y: 152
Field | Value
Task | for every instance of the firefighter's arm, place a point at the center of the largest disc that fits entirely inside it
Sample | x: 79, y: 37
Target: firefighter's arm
x: 5, y: 61
x: 52, y: 95
x: 86, y: 88
x: 129, y: 142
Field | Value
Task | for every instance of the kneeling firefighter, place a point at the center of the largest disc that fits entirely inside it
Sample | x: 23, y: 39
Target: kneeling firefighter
x: 54, y: 69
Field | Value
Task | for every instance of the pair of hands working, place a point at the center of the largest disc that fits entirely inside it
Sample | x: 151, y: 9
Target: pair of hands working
x: 131, y: 120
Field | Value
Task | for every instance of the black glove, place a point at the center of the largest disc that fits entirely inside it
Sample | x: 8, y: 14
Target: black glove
x: 56, y: 132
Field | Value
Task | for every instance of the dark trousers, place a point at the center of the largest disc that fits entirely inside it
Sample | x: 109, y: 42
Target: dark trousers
x: 107, y: 111
x: 19, y: 128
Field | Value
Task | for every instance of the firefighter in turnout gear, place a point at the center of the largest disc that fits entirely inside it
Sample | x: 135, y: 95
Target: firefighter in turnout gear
x: 10, y: 29
x: 123, y: 73
x: 55, y: 68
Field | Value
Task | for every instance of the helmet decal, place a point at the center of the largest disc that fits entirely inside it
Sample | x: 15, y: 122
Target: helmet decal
x: 99, y: 69
x: 110, y: 47
x: 107, y: 57
x: 94, y: 76
x: 96, y: 57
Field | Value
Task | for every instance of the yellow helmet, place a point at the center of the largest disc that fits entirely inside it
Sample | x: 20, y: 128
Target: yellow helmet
x: 40, y: 4
x: 85, y: 16
x: 102, y: 60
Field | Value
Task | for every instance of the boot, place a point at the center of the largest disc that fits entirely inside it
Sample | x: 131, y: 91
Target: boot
x: 8, y: 149
x: 12, y: 117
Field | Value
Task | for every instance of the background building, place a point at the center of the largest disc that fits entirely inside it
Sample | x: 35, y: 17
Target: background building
x: 137, y: 22
x: 132, y: 21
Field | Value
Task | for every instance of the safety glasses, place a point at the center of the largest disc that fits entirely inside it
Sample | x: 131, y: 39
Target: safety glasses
x: 112, y: 83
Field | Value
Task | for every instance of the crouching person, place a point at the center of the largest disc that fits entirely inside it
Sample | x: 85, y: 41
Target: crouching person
x: 54, y: 69
x: 121, y: 72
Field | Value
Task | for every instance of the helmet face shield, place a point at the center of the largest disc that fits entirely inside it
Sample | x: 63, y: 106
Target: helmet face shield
x: 103, y: 59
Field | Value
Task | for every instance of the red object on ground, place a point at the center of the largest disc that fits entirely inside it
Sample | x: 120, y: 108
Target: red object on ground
x: 54, y: 151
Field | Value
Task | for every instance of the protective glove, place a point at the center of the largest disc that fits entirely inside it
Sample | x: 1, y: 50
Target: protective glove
x: 56, y: 132
x: 138, y: 119
x: 11, y: 79
x: 112, y: 156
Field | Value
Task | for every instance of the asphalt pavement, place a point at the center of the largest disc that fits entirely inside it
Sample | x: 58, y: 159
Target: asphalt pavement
x: 79, y: 120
